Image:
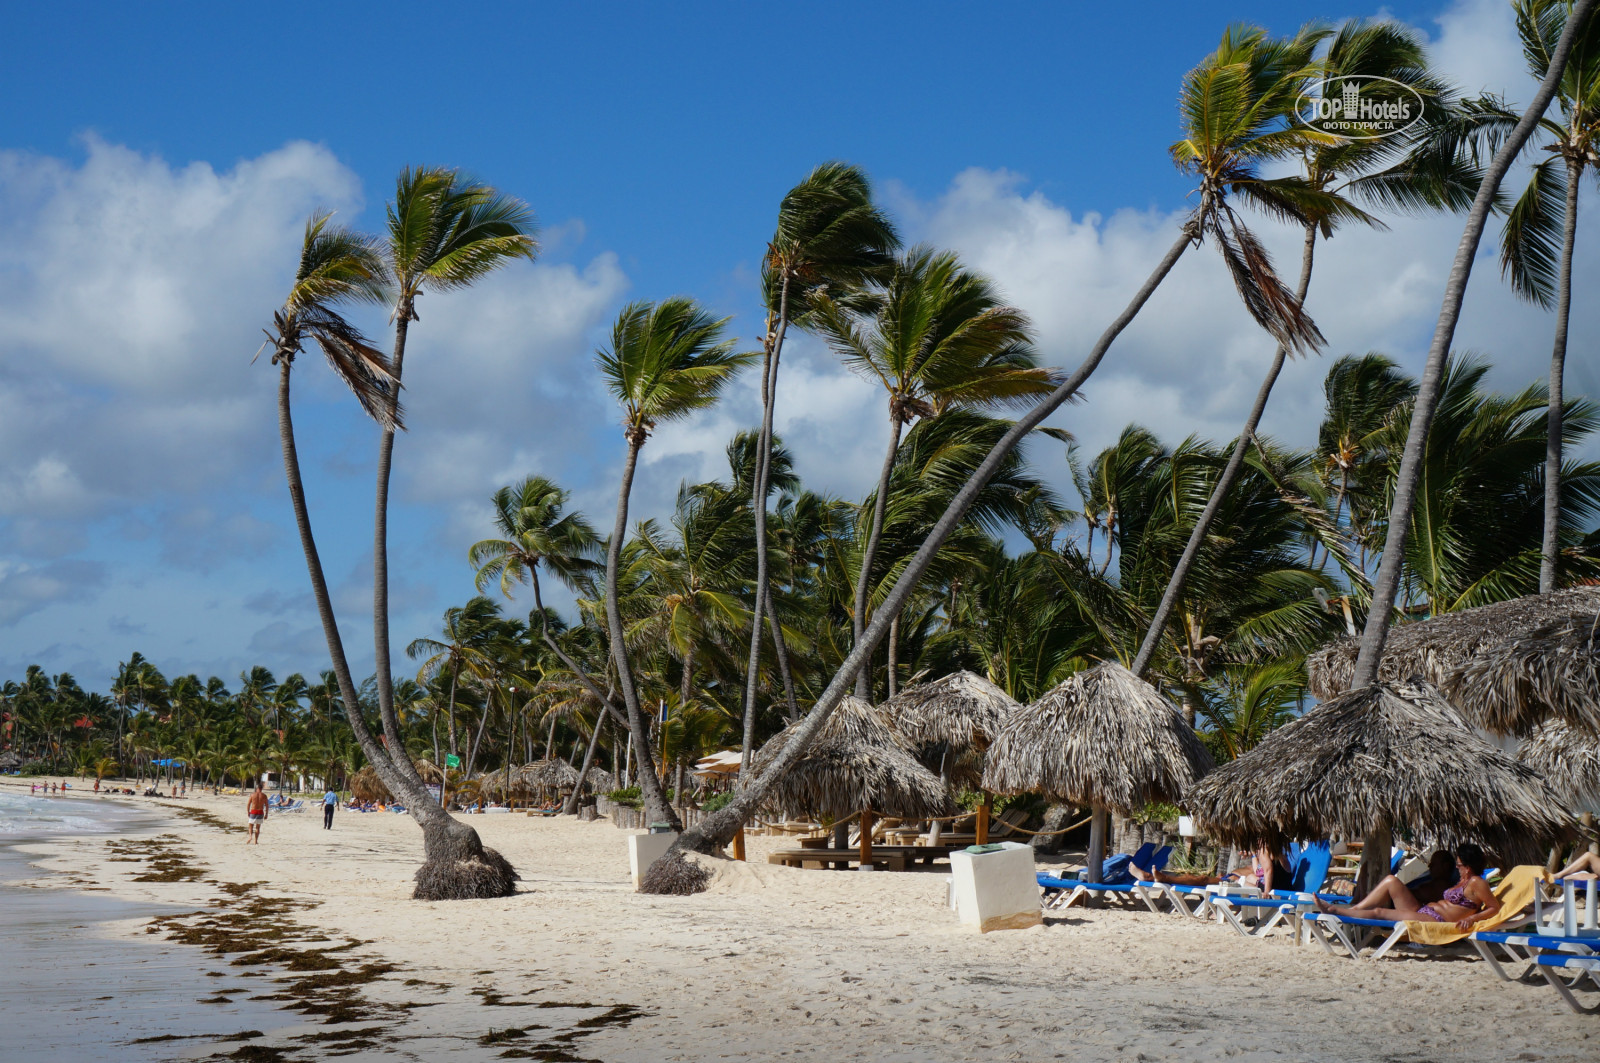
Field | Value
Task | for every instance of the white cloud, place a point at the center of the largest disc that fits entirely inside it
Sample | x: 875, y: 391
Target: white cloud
x: 25, y: 589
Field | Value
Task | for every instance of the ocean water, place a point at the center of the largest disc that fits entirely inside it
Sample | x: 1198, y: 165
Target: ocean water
x: 69, y: 990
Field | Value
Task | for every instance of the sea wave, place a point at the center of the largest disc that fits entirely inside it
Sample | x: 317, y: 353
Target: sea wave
x: 32, y: 816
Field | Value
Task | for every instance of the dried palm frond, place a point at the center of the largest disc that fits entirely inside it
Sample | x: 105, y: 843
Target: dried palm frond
x: 1434, y: 648
x: 1551, y: 673
x: 858, y: 760
x: 1396, y: 755
x: 1105, y: 738
x: 961, y: 711
x: 1569, y: 760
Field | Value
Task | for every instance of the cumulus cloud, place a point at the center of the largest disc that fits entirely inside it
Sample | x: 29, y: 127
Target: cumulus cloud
x: 25, y: 589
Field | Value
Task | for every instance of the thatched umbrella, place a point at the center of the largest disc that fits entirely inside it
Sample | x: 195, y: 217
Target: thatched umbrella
x: 600, y: 781
x: 1549, y: 672
x: 1435, y: 648
x: 1569, y: 760
x: 950, y: 722
x: 9, y: 761
x: 366, y: 786
x: 429, y: 771
x: 546, y: 776
x: 858, y: 763
x: 1388, y: 756
x: 1104, y: 738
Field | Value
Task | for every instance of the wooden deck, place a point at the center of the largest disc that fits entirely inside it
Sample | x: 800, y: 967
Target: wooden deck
x: 888, y: 857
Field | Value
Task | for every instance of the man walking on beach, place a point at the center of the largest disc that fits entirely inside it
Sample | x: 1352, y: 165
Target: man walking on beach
x: 330, y: 801
x: 256, y: 812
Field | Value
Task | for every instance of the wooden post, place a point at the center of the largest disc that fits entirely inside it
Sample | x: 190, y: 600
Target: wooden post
x: 1095, y: 860
x: 866, y: 837
x: 983, y: 820
x: 738, y: 844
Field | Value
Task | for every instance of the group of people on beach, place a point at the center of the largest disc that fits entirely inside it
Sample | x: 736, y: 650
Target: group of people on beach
x: 48, y: 787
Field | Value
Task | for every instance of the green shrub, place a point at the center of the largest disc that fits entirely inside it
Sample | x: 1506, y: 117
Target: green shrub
x: 36, y: 768
x: 716, y: 802
x: 629, y: 796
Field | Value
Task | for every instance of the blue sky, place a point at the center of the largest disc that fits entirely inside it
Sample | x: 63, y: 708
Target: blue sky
x: 158, y: 161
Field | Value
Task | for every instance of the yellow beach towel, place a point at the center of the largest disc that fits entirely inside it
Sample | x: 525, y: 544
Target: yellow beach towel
x: 1515, y: 893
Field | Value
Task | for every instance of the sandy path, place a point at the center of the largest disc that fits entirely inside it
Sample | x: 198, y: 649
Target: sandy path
x: 808, y: 965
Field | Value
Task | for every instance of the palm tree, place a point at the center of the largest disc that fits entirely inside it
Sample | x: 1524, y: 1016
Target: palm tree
x: 939, y: 339
x: 1411, y: 174
x: 666, y: 361
x: 337, y: 266
x: 465, y: 628
x: 830, y: 239
x: 1547, y: 214
x: 445, y: 232
x: 530, y: 518
x: 1226, y: 151
x: 1386, y: 586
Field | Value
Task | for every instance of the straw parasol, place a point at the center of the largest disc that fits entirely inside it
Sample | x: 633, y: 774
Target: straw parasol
x: 429, y: 771
x: 1569, y: 760
x: 1104, y: 738
x: 1384, y: 757
x: 858, y: 763
x: 544, y: 776
x: 9, y: 761
x: 1435, y: 648
x: 949, y: 720
x: 366, y: 786
x: 1551, y: 672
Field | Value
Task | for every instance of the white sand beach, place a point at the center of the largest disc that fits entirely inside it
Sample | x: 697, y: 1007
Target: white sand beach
x: 773, y: 963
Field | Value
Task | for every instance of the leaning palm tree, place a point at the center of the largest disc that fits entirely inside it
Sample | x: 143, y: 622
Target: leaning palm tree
x: 338, y: 266
x: 940, y: 338
x: 1542, y: 228
x: 830, y: 239
x: 1227, y: 149
x: 1386, y: 586
x: 666, y: 361
x: 1419, y: 172
x: 445, y: 232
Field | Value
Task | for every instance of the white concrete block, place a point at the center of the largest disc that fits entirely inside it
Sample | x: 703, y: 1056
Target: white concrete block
x: 997, y: 890
x: 644, y: 850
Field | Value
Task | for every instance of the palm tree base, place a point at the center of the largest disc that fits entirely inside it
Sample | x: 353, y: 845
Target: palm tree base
x: 460, y: 867
x: 674, y: 875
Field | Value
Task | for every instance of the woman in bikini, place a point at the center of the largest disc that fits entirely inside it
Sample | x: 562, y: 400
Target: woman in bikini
x: 1463, y: 904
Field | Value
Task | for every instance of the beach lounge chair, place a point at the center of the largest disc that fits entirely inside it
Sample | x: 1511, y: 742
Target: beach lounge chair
x: 1587, y: 968
x: 1515, y: 892
x: 1119, y: 881
x: 1525, y: 948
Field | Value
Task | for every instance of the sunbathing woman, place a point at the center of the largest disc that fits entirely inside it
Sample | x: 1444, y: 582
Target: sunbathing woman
x: 1463, y: 904
x: 1441, y: 876
x: 1585, y: 867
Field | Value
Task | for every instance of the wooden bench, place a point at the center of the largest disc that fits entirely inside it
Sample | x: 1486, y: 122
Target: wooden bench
x: 889, y: 857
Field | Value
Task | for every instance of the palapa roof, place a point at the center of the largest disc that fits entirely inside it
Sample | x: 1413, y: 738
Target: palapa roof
x: 962, y: 711
x: 1104, y: 737
x: 1434, y: 648
x: 859, y: 760
x: 366, y: 786
x: 1396, y: 754
x: 1569, y: 760
x: 1550, y: 672
x: 10, y: 761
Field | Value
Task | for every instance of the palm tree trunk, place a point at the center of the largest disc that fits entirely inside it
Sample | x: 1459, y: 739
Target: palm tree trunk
x: 572, y: 665
x: 570, y: 807
x: 380, y: 565
x: 781, y: 649
x: 456, y: 863
x: 758, y: 507
x: 719, y: 828
x: 894, y: 654
x: 1386, y: 587
x: 656, y: 808
x: 864, y: 577
x: 1558, y: 357
x: 455, y: 673
x: 1230, y: 473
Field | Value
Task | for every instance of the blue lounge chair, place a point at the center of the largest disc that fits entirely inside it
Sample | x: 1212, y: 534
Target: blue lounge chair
x: 1587, y: 968
x: 1525, y: 948
x: 1065, y: 892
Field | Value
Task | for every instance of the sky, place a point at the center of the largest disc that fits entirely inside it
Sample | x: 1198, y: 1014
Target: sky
x: 158, y: 163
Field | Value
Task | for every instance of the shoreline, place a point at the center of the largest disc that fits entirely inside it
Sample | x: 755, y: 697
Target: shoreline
x: 811, y: 965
